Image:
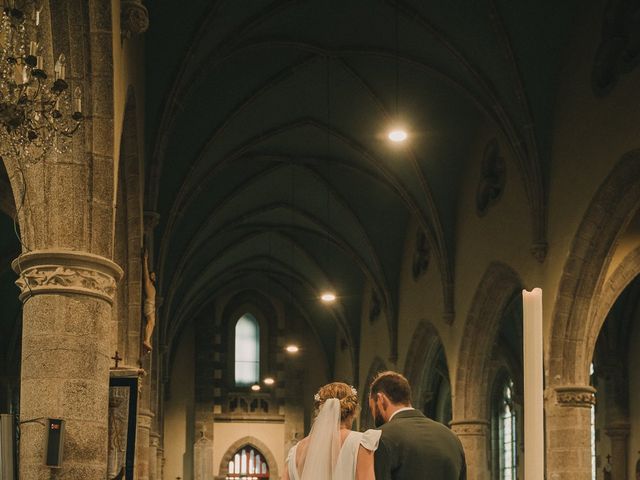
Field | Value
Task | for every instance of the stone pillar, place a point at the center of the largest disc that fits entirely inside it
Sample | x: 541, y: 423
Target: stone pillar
x: 153, y: 455
x: 474, y: 435
x: 143, y: 439
x: 568, y: 421
x: 619, y: 434
x: 67, y: 298
x: 160, y: 463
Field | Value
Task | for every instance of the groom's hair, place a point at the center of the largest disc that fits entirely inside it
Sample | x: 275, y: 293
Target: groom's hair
x: 394, y: 385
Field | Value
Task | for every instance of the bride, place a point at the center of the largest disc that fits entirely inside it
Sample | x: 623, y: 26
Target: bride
x: 332, y: 450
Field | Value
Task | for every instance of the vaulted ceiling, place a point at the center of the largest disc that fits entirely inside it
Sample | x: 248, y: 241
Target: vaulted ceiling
x: 267, y: 157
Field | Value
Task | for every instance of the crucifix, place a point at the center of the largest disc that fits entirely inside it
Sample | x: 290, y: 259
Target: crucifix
x: 609, y: 459
x: 116, y: 358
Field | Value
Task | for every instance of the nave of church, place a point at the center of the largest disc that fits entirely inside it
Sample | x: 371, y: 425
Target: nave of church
x: 209, y: 209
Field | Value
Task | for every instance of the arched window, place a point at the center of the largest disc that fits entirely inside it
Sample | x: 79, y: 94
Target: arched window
x: 247, y: 351
x: 507, y: 433
x: 248, y: 463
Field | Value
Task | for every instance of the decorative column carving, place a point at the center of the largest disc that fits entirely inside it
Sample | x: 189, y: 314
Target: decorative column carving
x: 67, y: 296
x: 576, y: 396
x: 66, y: 272
x: 474, y: 435
x: 134, y: 18
x: 568, y: 422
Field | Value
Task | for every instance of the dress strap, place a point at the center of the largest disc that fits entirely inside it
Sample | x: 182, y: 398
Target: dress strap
x: 291, y: 463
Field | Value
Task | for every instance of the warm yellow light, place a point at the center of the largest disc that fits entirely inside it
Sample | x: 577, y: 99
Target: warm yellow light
x: 255, y: 387
x: 328, y: 297
x: 292, y: 348
x: 398, y: 135
x: 269, y: 381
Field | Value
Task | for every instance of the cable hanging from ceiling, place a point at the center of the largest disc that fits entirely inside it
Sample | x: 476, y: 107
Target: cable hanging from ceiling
x: 398, y: 133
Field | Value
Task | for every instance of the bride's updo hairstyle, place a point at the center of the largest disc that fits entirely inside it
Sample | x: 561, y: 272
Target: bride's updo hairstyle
x: 347, y: 395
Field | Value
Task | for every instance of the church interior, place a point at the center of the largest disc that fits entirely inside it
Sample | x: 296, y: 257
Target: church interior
x: 246, y: 200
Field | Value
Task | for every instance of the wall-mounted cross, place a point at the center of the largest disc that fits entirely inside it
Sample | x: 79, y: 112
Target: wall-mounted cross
x: 609, y: 459
x: 116, y: 358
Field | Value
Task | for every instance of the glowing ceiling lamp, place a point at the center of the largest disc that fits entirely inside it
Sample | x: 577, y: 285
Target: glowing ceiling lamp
x: 292, y: 348
x: 328, y: 297
x: 398, y: 135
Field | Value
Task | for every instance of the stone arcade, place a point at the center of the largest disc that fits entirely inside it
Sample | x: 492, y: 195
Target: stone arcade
x: 245, y: 146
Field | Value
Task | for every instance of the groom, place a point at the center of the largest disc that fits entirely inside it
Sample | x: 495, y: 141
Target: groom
x: 411, y: 446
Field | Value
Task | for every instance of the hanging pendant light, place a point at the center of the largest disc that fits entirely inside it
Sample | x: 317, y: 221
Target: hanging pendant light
x: 37, y: 112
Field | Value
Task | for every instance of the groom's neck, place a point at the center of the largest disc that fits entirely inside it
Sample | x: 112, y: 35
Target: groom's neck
x: 394, y: 408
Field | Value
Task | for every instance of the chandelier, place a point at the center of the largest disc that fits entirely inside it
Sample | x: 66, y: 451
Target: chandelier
x: 37, y: 112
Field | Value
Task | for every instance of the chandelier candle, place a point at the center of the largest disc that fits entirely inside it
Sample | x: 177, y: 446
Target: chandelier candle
x: 37, y: 114
x: 533, y: 385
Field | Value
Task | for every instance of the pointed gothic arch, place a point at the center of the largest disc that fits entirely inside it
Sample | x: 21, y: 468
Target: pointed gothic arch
x: 254, y: 442
x: 427, y: 370
x: 377, y: 366
x: 575, y: 328
x: 495, y: 291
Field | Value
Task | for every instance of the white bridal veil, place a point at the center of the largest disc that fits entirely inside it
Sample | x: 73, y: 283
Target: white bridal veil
x: 324, y: 443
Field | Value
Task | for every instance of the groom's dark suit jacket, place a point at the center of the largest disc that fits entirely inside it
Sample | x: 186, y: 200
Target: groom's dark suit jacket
x: 413, y: 446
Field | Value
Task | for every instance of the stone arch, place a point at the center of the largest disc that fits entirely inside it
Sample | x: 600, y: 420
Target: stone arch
x: 252, y: 442
x: 377, y: 365
x: 574, y: 327
x: 422, y: 356
x: 611, y: 290
x: 495, y: 291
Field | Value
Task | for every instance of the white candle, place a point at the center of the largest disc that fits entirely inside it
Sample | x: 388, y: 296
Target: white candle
x: 533, y: 385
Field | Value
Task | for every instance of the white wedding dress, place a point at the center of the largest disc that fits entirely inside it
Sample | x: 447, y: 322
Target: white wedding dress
x: 346, y: 465
x: 326, y: 459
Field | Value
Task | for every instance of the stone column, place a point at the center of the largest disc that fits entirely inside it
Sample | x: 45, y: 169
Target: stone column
x: 142, y: 444
x: 153, y: 456
x: 619, y: 434
x: 160, y: 463
x: 474, y: 435
x: 67, y: 298
x: 568, y: 421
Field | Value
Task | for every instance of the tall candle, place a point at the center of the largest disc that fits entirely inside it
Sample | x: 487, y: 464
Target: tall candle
x: 533, y: 385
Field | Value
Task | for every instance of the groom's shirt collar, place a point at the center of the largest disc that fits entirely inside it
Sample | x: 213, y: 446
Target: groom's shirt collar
x: 403, y: 409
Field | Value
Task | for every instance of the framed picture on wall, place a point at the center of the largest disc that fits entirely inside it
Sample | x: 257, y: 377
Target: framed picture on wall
x: 123, y: 404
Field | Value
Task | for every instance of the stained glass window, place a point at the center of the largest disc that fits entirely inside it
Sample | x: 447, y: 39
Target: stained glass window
x: 507, y: 434
x: 247, y: 350
x: 248, y: 464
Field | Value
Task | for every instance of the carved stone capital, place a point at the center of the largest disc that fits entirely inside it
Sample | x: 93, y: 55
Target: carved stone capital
x: 618, y: 430
x: 576, y: 396
x: 134, y: 18
x: 473, y: 427
x: 539, y: 251
x: 66, y: 272
x: 151, y: 220
x: 144, y: 419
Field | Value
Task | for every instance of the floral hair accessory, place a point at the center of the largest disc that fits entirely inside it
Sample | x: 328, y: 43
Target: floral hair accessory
x: 354, y: 391
x: 316, y: 397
